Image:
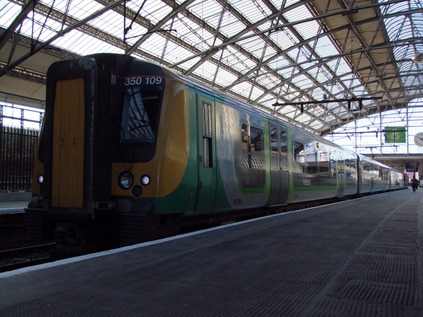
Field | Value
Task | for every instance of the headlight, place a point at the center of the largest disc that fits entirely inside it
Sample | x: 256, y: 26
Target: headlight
x: 126, y: 180
x: 145, y: 180
x: 40, y: 179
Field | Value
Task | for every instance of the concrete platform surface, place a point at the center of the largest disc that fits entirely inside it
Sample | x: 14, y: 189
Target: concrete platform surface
x: 361, y: 257
x: 6, y: 196
x: 13, y: 206
x: 14, y: 202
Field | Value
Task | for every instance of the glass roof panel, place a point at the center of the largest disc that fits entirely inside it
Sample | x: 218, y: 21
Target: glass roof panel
x: 111, y: 23
x: 78, y: 9
x: 155, y: 44
x: 302, y: 81
x: 36, y: 28
x: 190, y: 32
x: 209, y: 10
x: 230, y: 25
x: 154, y: 11
x: 308, y: 29
x: 206, y: 71
x: 407, y: 27
x: 135, y: 33
x: 255, y: 46
x: 279, y: 63
x: 300, y: 13
x: 237, y: 60
x: 298, y: 62
x: 241, y: 89
x: 325, y: 47
x: 286, y: 3
x: 267, y: 81
x: 83, y: 44
x: 298, y: 54
x: 255, y: 93
x: 224, y: 77
x: 251, y: 10
x: 186, y: 65
x: 82, y: 9
x: 8, y: 12
x: 173, y: 54
x: 265, y: 27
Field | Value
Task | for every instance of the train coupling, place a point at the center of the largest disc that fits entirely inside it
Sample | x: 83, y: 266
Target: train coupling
x: 104, y: 205
x: 67, y: 234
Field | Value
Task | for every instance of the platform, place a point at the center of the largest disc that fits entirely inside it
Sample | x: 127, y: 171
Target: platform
x: 14, y: 202
x: 13, y: 207
x: 360, y: 257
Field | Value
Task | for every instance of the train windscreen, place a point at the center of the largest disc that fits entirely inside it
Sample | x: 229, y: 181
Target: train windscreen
x: 140, y: 113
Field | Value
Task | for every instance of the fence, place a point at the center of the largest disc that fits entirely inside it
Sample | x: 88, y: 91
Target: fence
x: 17, y: 146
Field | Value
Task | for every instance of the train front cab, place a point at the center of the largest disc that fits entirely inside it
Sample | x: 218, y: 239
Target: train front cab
x: 71, y: 183
x: 90, y: 168
x: 124, y: 143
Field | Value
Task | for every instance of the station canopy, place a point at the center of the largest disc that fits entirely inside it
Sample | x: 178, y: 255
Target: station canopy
x: 318, y: 64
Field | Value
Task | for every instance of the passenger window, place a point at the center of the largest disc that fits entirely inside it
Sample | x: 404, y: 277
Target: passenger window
x: 252, y: 147
x: 332, y: 165
x: 312, y: 165
x: 341, y: 168
x: 298, y: 152
x: 284, y: 150
x: 350, y: 172
x: 323, y: 160
x: 274, y: 146
x: 305, y: 158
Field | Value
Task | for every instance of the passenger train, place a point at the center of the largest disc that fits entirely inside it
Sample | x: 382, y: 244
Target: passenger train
x: 129, y: 150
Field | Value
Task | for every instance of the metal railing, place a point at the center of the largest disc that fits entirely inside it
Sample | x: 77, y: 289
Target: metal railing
x: 17, y: 147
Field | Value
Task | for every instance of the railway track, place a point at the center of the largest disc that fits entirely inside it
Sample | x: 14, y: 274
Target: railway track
x: 17, y: 258
x: 13, y: 231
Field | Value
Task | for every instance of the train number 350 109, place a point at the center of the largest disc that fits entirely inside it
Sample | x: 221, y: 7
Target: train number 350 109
x: 145, y: 80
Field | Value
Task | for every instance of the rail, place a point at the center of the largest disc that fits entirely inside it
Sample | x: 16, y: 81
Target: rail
x: 17, y: 258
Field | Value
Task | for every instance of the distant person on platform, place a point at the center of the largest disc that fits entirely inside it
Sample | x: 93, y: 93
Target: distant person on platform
x: 414, y: 184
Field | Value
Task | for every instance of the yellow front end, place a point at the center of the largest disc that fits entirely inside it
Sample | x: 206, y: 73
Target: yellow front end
x: 167, y: 167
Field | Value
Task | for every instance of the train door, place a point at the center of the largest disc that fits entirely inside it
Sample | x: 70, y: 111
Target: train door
x: 275, y: 177
x: 278, y: 165
x: 341, y: 176
x: 78, y: 168
x: 67, y: 184
x: 206, y: 145
x: 284, y: 165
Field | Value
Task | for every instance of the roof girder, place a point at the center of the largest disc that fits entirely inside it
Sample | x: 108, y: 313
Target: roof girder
x: 379, y: 77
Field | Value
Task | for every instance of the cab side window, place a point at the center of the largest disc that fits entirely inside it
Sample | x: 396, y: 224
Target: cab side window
x: 207, y: 135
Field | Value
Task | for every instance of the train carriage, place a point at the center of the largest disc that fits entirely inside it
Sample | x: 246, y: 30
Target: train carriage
x: 374, y: 176
x: 129, y: 150
x: 397, y: 179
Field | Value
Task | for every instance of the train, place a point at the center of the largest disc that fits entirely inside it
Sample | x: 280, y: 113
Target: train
x: 130, y: 150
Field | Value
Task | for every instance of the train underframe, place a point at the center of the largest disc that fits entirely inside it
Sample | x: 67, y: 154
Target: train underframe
x: 78, y: 232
